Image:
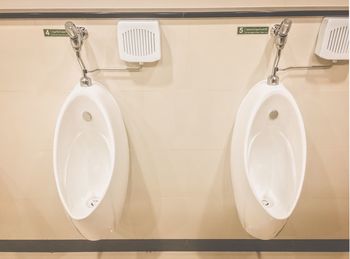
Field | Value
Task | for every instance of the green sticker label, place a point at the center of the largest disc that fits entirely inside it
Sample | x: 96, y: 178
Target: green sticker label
x: 55, y: 33
x: 253, y: 30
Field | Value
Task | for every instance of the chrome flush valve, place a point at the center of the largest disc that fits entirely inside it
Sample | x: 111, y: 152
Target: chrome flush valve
x: 76, y: 34
x: 280, y: 32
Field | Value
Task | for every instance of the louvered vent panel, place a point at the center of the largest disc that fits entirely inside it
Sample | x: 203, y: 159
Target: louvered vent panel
x: 333, y: 39
x: 139, y: 41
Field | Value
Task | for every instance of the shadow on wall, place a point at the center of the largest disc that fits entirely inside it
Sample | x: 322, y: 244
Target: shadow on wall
x: 313, y: 217
x: 154, y: 74
x: 28, y: 218
x: 317, y: 77
x: 223, y: 221
x: 10, y: 203
x: 143, y: 197
x: 138, y: 217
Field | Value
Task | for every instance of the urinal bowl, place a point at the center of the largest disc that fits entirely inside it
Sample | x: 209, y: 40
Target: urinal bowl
x: 91, y: 160
x: 268, y: 156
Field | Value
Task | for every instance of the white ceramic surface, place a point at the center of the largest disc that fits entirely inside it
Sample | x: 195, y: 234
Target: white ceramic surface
x: 268, y: 157
x: 91, y: 160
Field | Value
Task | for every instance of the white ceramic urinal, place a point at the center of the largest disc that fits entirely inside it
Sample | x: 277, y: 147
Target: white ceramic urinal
x: 91, y: 160
x: 268, y: 157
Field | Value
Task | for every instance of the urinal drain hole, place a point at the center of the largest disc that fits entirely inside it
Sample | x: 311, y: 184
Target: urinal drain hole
x: 92, y: 203
x: 266, y: 203
x: 87, y: 116
x: 273, y: 115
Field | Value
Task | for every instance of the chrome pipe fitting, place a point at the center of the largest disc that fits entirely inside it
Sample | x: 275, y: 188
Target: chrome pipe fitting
x: 280, y: 33
x: 76, y: 34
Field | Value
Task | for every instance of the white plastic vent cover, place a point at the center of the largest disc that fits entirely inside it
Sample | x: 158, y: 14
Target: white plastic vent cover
x: 333, y: 39
x: 139, y: 40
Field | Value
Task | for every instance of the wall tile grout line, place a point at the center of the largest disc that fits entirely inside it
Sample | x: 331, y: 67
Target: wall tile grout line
x: 167, y: 15
x: 176, y: 245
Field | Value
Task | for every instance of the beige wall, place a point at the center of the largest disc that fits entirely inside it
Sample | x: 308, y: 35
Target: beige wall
x: 179, y: 116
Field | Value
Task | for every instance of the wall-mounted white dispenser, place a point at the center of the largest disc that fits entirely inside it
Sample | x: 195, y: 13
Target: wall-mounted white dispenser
x: 333, y: 39
x: 139, y: 40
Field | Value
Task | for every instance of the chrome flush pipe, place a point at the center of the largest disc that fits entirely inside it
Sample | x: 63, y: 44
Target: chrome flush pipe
x: 77, y: 36
x: 280, y: 33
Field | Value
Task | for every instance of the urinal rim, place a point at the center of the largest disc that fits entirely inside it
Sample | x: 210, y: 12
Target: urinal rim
x: 92, y: 95
x: 268, y: 92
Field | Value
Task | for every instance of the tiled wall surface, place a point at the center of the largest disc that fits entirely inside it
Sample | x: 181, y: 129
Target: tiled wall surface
x: 179, y: 115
